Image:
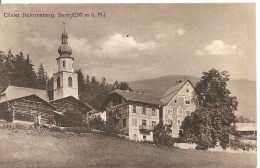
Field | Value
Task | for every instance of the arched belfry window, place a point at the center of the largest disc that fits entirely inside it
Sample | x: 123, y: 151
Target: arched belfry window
x: 58, y: 82
x: 70, y: 81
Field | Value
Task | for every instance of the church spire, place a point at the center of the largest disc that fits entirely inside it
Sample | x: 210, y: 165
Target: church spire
x: 64, y: 36
x: 64, y: 48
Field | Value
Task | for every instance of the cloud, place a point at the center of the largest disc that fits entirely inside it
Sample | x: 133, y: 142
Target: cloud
x: 38, y: 41
x: 78, y: 44
x: 119, y: 43
x: 180, y: 31
x: 219, y: 48
x: 169, y: 33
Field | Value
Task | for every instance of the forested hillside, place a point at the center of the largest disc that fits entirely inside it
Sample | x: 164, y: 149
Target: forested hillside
x: 18, y: 70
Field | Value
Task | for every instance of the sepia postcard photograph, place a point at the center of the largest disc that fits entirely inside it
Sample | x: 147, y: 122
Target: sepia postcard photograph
x: 128, y: 85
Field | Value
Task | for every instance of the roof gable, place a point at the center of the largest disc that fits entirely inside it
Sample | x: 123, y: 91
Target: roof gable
x: 170, y: 93
x: 35, y: 97
x: 14, y: 92
x: 73, y: 99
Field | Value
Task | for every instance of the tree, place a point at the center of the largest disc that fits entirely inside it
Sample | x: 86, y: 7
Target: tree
x: 162, y: 135
x: 4, y: 80
x: 41, y: 78
x: 111, y: 124
x: 215, y: 100
x: 197, y: 128
x: 121, y: 86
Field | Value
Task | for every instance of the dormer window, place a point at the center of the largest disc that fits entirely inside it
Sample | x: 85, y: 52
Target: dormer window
x: 175, y: 101
x: 187, y: 102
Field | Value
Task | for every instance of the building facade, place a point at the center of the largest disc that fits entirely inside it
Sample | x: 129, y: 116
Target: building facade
x: 178, y: 102
x: 65, y: 81
x: 135, y: 114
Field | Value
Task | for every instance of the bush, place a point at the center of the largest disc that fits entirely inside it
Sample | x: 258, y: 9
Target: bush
x: 162, y: 135
x: 237, y: 144
x: 97, y: 123
x: 200, y: 147
x: 180, y: 140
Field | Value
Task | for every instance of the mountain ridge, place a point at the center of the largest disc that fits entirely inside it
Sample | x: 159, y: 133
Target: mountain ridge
x: 244, y: 90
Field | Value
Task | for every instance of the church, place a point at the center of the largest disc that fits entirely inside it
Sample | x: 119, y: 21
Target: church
x: 29, y: 106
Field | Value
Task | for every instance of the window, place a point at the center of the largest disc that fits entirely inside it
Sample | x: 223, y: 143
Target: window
x: 64, y: 64
x: 187, y: 102
x: 149, y: 111
x: 134, y: 121
x: 144, y: 137
x: 153, y: 124
x: 170, y: 111
x: 179, y: 122
x: 130, y: 108
x: 70, y: 81
x: 135, y: 136
x: 153, y: 112
x: 144, y: 111
x: 175, y: 101
x: 187, y: 112
x: 58, y: 82
x: 187, y: 90
x: 180, y: 132
x: 134, y: 109
x: 124, y: 122
x: 139, y: 109
x: 179, y: 111
x: 156, y: 112
x: 170, y: 122
x: 143, y: 122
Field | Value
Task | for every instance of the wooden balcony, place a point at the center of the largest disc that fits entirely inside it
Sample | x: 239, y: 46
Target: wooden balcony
x: 146, y: 128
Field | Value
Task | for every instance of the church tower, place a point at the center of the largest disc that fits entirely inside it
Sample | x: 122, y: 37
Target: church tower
x: 65, y: 81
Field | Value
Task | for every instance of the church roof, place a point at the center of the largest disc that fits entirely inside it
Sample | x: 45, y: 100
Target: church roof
x: 170, y: 93
x: 14, y: 92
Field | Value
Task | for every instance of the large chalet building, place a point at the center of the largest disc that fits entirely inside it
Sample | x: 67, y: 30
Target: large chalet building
x: 136, y: 114
x: 178, y: 102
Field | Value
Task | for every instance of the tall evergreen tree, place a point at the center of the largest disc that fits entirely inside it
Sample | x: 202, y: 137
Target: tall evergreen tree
x: 42, y: 78
x: 4, y: 80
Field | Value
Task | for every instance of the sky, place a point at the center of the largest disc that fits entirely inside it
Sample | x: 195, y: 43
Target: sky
x: 137, y: 41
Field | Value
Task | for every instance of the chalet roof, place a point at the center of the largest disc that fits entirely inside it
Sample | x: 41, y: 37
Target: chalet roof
x: 32, y: 96
x: 246, y: 126
x: 72, y: 99
x: 137, y: 97
x: 170, y: 93
x: 14, y: 92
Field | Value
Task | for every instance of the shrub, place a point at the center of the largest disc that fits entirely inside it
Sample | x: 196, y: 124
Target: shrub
x: 200, y: 147
x: 110, y: 126
x: 180, y: 140
x: 162, y: 135
x: 97, y: 123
